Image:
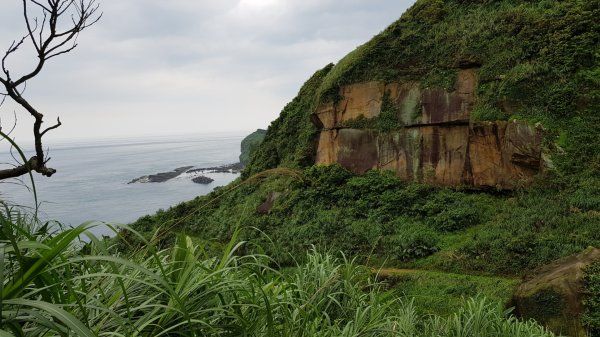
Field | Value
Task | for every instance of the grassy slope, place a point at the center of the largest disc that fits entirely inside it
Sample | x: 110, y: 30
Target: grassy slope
x: 539, y: 61
x: 440, y: 293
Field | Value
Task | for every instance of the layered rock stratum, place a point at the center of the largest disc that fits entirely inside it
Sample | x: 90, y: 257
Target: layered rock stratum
x: 436, y: 140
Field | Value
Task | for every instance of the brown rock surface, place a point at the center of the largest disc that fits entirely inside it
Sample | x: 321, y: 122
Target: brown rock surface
x: 362, y: 99
x: 501, y: 155
x: 354, y: 149
x: 552, y: 295
x: 416, y: 106
x: 438, y: 143
x: 267, y: 205
x: 441, y: 106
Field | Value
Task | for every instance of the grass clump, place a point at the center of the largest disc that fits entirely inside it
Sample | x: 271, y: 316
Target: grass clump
x: 440, y: 293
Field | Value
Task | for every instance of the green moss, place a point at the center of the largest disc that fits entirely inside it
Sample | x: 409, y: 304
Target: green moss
x: 485, y: 112
x: 548, y: 304
x: 389, y: 117
x: 361, y: 122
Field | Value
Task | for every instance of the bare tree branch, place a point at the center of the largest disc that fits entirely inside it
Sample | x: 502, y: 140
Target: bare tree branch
x: 29, y: 29
x: 48, y: 42
x: 14, y: 126
x: 13, y: 48
x: 52, y: 127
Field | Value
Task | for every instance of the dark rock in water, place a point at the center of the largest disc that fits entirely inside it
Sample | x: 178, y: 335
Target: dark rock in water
x: 203, y: 180
x: 229, y: 168
x: 161, y: 177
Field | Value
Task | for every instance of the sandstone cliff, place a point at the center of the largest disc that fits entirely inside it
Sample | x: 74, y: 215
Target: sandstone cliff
x: 435, y: 140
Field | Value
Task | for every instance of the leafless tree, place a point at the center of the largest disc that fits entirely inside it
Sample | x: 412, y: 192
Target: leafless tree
x: 53, y: 32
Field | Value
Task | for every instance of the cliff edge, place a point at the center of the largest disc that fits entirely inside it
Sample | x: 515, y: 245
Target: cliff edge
x: 483, y: 94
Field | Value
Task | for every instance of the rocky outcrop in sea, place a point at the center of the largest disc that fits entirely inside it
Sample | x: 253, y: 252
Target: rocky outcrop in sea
x: 197, y: 175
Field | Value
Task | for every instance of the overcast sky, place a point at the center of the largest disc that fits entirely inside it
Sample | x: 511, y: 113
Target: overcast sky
x: 188, y: 66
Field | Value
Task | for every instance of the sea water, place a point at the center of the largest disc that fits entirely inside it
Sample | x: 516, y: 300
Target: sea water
x: 91, y: 182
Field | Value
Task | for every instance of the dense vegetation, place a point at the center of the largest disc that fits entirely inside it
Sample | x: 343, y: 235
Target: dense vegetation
x: 181, y: 272
x: 57, y: 285
x: 382, y: 219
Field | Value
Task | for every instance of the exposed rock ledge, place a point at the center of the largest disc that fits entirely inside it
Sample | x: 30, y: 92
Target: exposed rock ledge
x: 438, y: 144
x: 195, y: 173
x: 161, y: 177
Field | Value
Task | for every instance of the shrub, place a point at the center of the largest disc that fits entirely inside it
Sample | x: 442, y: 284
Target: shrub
x: 411, y: 241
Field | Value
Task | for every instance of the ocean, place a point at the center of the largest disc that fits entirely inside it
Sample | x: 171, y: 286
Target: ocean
x: 91, y: 183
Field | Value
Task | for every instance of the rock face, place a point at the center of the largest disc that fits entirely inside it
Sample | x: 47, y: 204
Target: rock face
x: 267, y: 205
x: 552, y: 295
x: 437, y: 143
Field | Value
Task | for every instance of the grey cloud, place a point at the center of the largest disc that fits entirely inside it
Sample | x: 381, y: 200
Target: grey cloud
x: 212, y: 65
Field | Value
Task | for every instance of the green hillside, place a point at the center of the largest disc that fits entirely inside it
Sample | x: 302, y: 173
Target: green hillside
x: 537, y: 61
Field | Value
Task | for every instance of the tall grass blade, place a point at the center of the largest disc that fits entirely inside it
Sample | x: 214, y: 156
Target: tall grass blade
x: 55, y: 311
x: 58, y: 245
x: 24, y: 159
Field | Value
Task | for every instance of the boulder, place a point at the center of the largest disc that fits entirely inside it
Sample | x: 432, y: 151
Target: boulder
x: 203, y: 180
x: 552, y: 295
x: 267, y: 205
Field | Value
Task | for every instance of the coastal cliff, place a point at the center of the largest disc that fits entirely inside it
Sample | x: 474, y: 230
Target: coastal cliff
x: 475, y: 94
